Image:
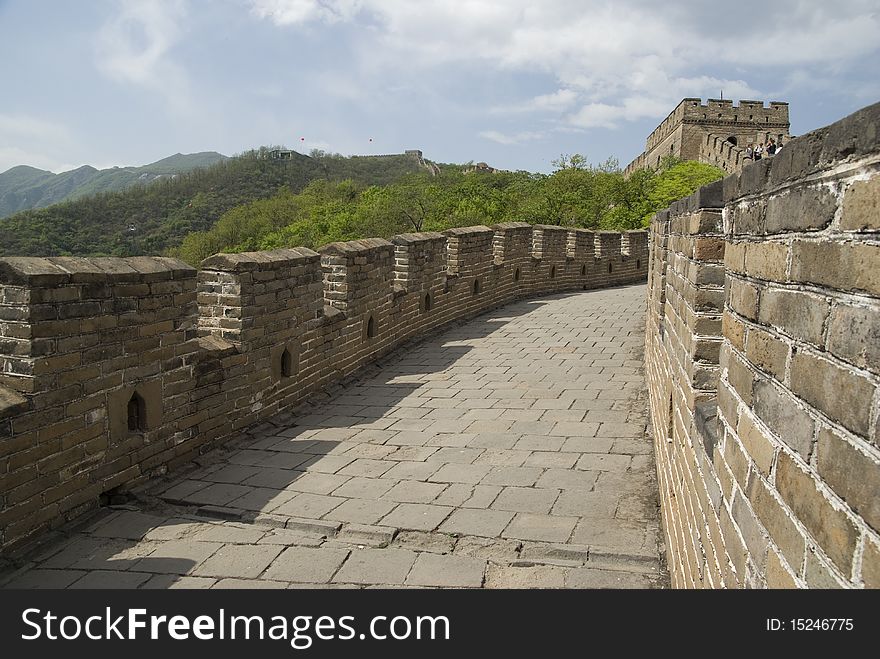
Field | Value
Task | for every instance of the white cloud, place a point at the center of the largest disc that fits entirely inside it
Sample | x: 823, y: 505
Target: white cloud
x: 297, y: 12
x: 42, y: 143
x: 135, y: 45
x: 556, y: 102
x: 516, y: 138
x: 613, y: 62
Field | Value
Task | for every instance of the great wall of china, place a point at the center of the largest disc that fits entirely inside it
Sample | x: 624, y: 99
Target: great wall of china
x: 763, y: 321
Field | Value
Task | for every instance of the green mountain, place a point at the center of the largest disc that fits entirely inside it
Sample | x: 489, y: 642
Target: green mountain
x: 158, y: 207
x: 24, y: 187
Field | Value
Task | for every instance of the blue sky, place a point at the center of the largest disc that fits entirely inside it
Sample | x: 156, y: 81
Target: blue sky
x: 511, y: 82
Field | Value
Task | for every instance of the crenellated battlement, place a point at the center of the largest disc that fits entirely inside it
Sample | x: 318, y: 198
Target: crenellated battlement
x: 115, y: 370
x: 683, y: 132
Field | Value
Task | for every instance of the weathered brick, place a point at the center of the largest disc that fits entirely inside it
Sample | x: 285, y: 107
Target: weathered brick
x: 766, y: 260
x: 833, y: 530
x: 800, y: 315
x: 776, y: 520
x: 777, y: 408
x: 735, y: 257
x: 861, y: 206
x: 842, y: 394
x: 777, y: 574
x: 734, y: 330
x: 852, y: 474
x: 856, y: 266
x: 871, y: 563
x: 854, y: 335
x: 751, y: 529
x: 819, y: 575
x: 767, y: 352
x: 756, y: 443
x: 801, y: 209
x: 742, y: 298
x: 740, y: 376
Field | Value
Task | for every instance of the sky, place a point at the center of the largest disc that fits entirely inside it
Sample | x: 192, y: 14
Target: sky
x: 514, y: 83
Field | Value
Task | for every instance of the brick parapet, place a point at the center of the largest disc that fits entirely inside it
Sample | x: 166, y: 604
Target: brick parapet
x: 772, y: 480
x: 116, y: 370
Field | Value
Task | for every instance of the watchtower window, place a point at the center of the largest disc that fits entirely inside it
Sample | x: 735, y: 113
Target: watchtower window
x: 610, y: 268
x: 476, y: 286
x: 732, y: 139
x: 553, y: 272
x: 136, y: 413
x: 516, y: 275
x: 426, y: 303
x: 371, y: 327
x: 287, y: 367
x: 584, y: 270
x: 638, y: 264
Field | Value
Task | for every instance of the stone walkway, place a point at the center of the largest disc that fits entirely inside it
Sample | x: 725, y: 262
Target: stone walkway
x: 508, y: 452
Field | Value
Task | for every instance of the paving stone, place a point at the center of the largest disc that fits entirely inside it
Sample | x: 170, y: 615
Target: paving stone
x: 455, y: 455
x: 586, y: 504
x: 310, y: 506
x: 174, y: 529
x: 415, y: 492
x: 306, y: 565
x: 238, y: 561
x: 588, y: 444
x: 231, y: 474
x: 361, y: 511
x: 366, y: 467
x: 365, y: 488
x: 522, y: 476
x: 460, y: 473
x: 314, y: 483
x: 416, y: 516
x: 45, y: 579
x: 614, y: 534
x: 601, y: 462
x: 288, y: 537
x: 474, y: 521
x: 537, y: 576
x: 262, y: 499
x: 565, y: 479
x: 230, y: 533
x: 482, y: 496
x: 526, y: 499
x: 248, y: 584
x: 447, y: 571
x: 439, y: 543
x: 174, y: 581
x: 594, y: 578
x: 106, y: 579
x: 545, y: 459
x: 456, y: 494
x: 539, y: 443
x: 494, y: 549
x: 502, y: 458
x: 128, y: 525
x: 546, y: 528
x: 177, y: 556
x: 91, y: 553
x: 376, y: 566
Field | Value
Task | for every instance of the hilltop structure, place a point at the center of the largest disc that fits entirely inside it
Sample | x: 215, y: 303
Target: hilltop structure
x: 716, y: 133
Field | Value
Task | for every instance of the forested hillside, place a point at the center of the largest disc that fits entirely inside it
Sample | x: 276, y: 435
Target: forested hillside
x: 23, y: 188
x: 575, y: 195
x: 149, y: 219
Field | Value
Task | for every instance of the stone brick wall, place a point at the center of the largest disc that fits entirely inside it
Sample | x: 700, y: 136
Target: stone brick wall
x: 116, y: 370
x: 762, y: 363
x: 684, y: 132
